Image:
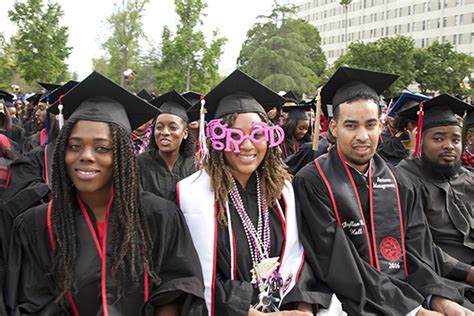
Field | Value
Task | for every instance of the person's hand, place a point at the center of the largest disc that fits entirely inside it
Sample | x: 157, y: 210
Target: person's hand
x: 448, y: 307
x: 425, y: 312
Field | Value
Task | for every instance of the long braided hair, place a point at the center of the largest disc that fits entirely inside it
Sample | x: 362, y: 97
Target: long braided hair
x: 131, y: 241
x: 274, y: 173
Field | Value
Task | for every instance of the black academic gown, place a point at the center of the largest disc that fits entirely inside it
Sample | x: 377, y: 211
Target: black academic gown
x: 17, y: 135
x: 298, y: 160
x: 28, y: 187
x: 155, y: 176
x: 392, y: 150
x: 233, y: 297
x: 361, y: 288
x: 30, y: 287
x: 449, y: 207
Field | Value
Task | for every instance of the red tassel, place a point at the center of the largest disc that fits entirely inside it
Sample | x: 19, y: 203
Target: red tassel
x: 325, y: 123
x: 419, y: 130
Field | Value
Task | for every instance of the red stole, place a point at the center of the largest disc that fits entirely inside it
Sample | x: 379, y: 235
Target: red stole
x: 384, y: 247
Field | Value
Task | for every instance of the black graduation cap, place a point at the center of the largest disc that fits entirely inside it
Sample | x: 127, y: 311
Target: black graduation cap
x: 34, y: 98
x: 145, y: 95
x: 240, y: 93
x: 49, y: 86
x: 290, y: 96
x: 172, y: 103
x: 469, y: 120
x: 406, y: 101
x: 438, y: 111
x: 298, y: 112
x: 348, y: 82
x: 192, y: 97
x: 53, y: 96
x: 99, y: 99
x: 6, y: 96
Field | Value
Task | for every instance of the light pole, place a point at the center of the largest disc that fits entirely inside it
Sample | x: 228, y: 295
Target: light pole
x: 450, y: 71
x: 124, y: 51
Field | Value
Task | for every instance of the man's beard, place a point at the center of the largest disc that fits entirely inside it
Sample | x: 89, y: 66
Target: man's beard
x: 438, y: 170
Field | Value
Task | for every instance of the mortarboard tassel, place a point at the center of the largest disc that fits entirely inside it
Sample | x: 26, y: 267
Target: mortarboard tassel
x: 60, y: 115
x: 419, y: 130
x: 317, y: 121
x: 203, y: 152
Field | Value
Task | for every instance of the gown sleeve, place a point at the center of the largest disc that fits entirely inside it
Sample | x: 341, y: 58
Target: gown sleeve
x: 29, y: 285
x: 232, y: 297
x: 176, y: 262
x: 360, y: 287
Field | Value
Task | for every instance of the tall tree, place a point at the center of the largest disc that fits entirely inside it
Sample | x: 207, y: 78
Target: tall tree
x: 7, y: 64
x: 122, y: 46
x: 40, y: 44
x: 284, y: 53
x: 388, y: 54
x: 440, y: 68
x: 187, y: 62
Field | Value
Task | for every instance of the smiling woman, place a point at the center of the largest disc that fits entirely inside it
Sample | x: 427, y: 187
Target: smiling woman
x: 101, y: 246
x: 253, y: 259
x: 170, y: 155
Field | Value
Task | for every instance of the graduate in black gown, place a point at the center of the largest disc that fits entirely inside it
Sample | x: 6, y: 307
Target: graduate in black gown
x: 447, y: 189
x: 170, y: 157
x: 296, y: 128
x: 364, y: 232
x: 8, y: 124
x: 468, y: 141
x: 401, y: 144
x: 101, y: 247
x: 240, y: 209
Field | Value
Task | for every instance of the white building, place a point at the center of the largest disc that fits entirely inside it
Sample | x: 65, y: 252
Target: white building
x: 368, y: 20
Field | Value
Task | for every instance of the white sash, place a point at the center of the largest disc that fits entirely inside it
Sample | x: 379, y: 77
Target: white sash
x: 197, y: 202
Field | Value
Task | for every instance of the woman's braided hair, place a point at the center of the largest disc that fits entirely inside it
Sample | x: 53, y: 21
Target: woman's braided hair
x: 274, y: 173
x: 131, y: 241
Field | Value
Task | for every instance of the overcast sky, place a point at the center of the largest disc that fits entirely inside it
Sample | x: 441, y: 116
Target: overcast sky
x: 87, y: 29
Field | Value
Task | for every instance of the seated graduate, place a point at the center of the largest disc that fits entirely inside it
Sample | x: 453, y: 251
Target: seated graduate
x: 306, y: 154
x: 8, y: 123
x: 361, y: 226
x: 296, y: 128
x: 46, y: 130
x: 447, y: 189
x: 240, y: 209
x: 468, y: 155
x: 401, y: 144
x: 195, y: 99
x: 141, y: 136
x: 170, y: 157
x: 101, y: 247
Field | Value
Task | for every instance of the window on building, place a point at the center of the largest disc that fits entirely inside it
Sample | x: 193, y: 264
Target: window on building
x: 438, y: 23
x: 456, y: 20
x: 445, y: 21
x: 459, y: 38
x: 408, y: 27
x: 455, y: 39
x: 445, y: 2
x: 414, y: 9
x: 386, y: 31
x: 459, y: 3
x: 428, y: 24
x: 472, y: 37
x: 461, y: 19
x: 409, y: 10
x: 422, y: 43
x: 423, y: 25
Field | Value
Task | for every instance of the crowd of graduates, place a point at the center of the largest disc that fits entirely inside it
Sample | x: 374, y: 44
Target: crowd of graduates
x: 240, y: 201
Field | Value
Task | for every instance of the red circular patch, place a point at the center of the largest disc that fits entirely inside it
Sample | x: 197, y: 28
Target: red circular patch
x: 390, y: 249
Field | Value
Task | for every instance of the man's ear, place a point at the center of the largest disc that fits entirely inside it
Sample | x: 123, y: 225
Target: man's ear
x: 333, y: 127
